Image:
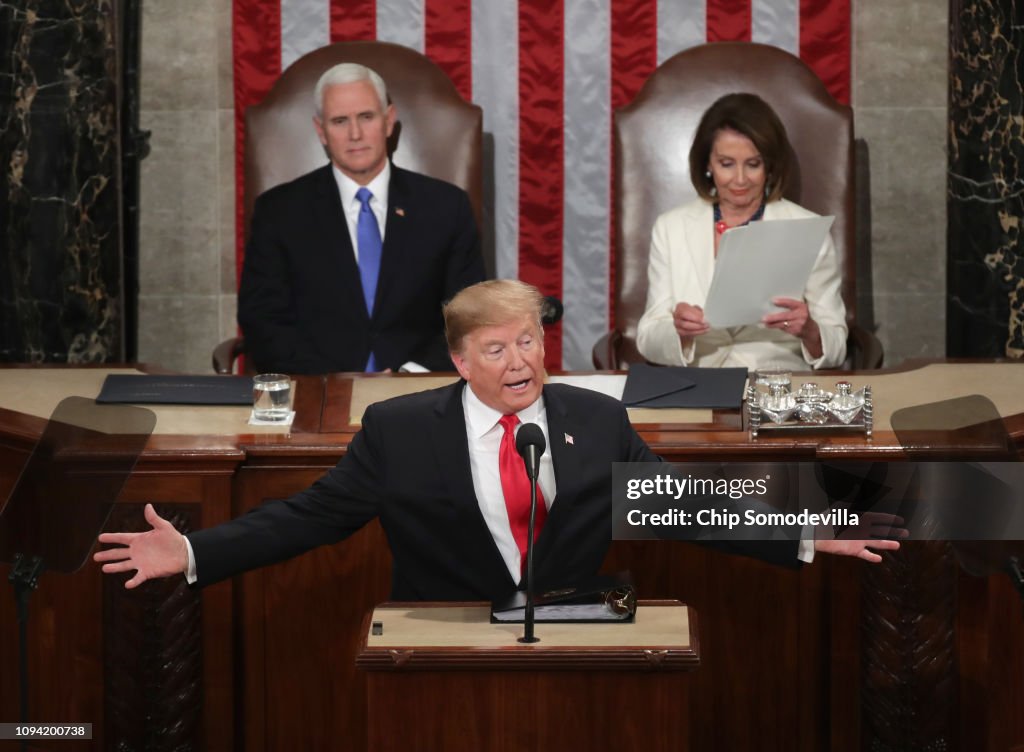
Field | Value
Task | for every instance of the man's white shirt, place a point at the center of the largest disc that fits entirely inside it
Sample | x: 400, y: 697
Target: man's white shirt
x: 484, y: 432
x: 347, y: 187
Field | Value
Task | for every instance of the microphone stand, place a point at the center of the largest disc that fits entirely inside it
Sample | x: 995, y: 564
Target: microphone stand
x: 24, y: 576
x: 528, y: 636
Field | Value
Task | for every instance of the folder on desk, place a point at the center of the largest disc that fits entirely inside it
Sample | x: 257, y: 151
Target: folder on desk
x: 679, y: 387
x: 147, y: 389
x: 599, y: 598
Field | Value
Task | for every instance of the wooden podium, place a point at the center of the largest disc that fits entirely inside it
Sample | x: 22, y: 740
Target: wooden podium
x: 442, y: 677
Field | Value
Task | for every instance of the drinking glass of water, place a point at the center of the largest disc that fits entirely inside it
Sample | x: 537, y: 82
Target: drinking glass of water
x: 271, y: 396
x: 773, y: 374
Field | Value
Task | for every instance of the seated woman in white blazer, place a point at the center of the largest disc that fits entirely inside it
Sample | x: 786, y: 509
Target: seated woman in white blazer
x: 740, y: 164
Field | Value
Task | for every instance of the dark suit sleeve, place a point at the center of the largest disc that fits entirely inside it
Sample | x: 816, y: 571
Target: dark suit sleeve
x: 634, y: 449
x: 464, y: 266
x: 333, y: 508
x: 266, y: 312
x: 465, y: 262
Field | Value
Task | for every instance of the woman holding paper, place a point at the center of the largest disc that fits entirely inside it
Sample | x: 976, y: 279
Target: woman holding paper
x: 740, y: 164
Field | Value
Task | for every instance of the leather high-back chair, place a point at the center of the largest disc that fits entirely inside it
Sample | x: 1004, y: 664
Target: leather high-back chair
x: 653, y: 136
x: 437, y: 133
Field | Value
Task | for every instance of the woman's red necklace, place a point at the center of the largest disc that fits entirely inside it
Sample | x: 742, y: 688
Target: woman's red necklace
x: 721, y: 226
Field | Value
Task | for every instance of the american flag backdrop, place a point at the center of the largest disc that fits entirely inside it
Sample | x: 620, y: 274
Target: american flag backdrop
x: 548, y: 75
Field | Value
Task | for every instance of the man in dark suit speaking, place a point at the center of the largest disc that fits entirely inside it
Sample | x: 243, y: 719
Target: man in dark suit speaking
x: 347, y: 266
x: 440, y: 470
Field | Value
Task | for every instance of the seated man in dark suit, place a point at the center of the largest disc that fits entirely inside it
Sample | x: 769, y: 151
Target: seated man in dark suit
x: 347, y: 266
x: 440, y: 470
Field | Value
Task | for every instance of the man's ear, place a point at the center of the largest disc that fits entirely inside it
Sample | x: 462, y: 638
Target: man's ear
x: 390, y: 116
x: 319, y: 125
x: 461, y: 365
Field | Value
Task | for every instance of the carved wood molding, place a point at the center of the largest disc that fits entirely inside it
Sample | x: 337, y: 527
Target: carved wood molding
x: 152, y: 657
x: 908, y: 692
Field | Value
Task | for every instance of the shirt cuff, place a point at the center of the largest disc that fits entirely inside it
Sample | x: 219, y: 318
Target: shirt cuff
x: 190, y: 571
x: 412, y: 366
x: 804, y: 552
x: 814, y: 363
x: 686, y: 353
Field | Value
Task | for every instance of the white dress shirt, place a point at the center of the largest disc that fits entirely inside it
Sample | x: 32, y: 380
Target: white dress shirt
x: 347, y: 187
x: 484, y: 433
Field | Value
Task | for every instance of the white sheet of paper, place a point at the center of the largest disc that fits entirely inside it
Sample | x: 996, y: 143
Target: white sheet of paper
x: 606, y: 383
x: 761, y: 261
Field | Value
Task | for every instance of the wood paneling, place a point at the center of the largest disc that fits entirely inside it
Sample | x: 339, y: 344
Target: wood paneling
x: 791, y: 659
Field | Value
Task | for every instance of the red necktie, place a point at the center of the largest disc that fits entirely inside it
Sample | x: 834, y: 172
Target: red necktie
x: 515, y: 484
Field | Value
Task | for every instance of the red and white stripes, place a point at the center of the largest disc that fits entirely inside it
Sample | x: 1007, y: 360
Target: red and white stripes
x: 548, y: 74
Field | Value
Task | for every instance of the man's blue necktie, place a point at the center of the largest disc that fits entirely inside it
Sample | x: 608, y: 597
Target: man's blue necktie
x: 368, y: 238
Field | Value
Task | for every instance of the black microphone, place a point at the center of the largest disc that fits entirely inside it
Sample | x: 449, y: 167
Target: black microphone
x: 551, y: 310
x: 530, y: 444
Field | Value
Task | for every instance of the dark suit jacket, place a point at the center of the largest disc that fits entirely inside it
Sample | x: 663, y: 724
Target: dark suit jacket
x: 301, y: 305
x: 409, y: 465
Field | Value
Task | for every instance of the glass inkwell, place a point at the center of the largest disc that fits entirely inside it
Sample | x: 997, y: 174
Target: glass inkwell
x: 809, y: 408
x: 846, y: 404
x: 812, y: 404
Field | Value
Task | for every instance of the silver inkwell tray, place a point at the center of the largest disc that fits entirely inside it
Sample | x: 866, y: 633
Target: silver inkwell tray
x: 772, y: 405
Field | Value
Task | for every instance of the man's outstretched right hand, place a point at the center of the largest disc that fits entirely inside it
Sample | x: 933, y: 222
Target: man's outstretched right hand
x: 160, y: 552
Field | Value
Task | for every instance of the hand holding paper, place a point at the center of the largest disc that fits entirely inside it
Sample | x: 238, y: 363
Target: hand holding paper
x: 689, y: 320
x: 796, y: 320
x: 760, y: 262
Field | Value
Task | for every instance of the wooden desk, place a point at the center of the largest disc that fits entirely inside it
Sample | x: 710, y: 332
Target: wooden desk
x: 827, y: 657
x: 583, y: 686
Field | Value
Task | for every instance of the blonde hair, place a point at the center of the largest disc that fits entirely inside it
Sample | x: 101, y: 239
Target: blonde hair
x: 490, y: 303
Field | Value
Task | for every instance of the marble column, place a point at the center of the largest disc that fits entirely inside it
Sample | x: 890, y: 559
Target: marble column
x: 60, y: 224
x: 985, y: 309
